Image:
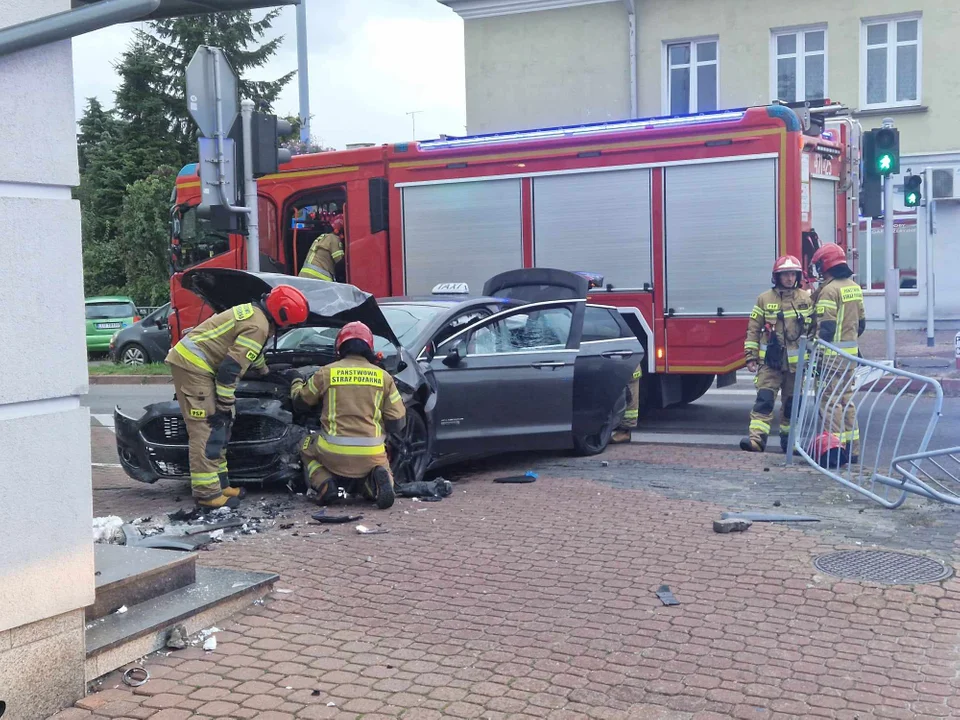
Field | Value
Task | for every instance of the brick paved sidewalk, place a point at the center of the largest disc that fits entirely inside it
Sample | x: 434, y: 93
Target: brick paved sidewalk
x: 537, y: 601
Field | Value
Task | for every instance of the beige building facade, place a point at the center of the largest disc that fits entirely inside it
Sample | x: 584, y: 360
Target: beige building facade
x: 542, y: 63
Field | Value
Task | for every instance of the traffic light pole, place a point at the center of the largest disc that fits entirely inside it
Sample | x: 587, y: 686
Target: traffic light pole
x: 250, y: 189
x: 892, y: 279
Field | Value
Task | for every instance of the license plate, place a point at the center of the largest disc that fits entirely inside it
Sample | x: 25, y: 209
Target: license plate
x: 109, y: 326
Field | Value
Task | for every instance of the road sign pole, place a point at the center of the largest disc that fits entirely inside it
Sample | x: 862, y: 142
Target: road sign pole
x: 250, y: 190
x: 303, y: 75
x: 892, y: 279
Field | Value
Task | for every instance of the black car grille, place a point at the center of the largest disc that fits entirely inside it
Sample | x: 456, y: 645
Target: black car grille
x: 171, y: 430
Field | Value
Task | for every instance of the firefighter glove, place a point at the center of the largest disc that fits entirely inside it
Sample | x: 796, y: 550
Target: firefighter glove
x: 220, y: 424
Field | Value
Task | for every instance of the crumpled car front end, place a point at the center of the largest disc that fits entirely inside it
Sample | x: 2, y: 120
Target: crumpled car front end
x: 264, y: 443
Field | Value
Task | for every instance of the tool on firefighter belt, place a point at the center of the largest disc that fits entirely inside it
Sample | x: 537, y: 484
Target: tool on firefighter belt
x: 774, y: 357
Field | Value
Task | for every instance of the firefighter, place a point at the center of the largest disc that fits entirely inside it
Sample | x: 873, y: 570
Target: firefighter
x: 632, y: 413
x: 206, y: 366
x: 359, y: 403
x: 839, y: 319
x: 325, y: 254
x: 777, y: 322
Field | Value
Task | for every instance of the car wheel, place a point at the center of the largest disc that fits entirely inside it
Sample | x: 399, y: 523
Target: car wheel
x: 133, y: 354
x: 595, y: 444
x: 410, y: 449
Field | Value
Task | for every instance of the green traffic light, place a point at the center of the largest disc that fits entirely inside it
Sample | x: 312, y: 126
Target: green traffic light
x: 911, y: 200
x: 885, y: 163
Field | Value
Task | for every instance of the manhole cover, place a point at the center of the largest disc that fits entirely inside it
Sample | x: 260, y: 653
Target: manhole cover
x: 881, y: 566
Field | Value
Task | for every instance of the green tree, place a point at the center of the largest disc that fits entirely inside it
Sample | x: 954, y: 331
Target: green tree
x: 242, y: 41
x: 144, y: 238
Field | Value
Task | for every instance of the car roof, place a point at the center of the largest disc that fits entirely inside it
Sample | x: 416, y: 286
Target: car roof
x: 442, y: 301
x: 109, y: 299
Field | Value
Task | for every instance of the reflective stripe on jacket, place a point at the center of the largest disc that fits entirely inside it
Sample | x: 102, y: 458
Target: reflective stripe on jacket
x: 839, y: 317
x: 787, y: 312
x: 322, y: 258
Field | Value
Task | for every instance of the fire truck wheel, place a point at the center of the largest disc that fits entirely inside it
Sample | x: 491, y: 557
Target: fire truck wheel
x: 595, y: 444
x: 695, y: 387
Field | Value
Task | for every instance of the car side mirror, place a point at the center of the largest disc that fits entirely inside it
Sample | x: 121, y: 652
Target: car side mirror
x: 454, y: 356
x: 430, y: 351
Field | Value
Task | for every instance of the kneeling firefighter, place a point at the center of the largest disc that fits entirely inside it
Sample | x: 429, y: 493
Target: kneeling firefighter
x: 360, y: 403
x: 206, y: 366
x: 324, y: 260
x: 777, y: 322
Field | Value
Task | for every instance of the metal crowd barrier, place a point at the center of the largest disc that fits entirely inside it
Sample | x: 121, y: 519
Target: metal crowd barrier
x: 849, y: 420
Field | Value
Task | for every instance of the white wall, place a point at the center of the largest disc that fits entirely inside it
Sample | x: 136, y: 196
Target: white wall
x: 46, y: 552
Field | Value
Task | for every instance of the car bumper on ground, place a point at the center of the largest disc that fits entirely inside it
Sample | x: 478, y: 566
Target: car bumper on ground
x: 264, y: 444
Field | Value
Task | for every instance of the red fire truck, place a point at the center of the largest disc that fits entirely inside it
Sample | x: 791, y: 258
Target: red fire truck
x: 682, y: 216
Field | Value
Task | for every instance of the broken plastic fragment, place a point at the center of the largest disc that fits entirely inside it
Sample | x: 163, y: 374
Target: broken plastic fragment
x: 122, y: 609
x: 364, y: 530
x: 283, y: 590
x: 210, y: 643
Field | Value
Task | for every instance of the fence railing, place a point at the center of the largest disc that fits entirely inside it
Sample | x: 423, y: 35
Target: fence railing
x: 867, y: 425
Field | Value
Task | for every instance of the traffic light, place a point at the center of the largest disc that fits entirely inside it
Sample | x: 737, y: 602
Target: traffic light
x: 911, y: 190
x: 871, y: 196
x: 881, y: 152
x: 265, y: 133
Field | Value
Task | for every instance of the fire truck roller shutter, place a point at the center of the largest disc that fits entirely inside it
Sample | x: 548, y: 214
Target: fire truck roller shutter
x: 721, y: 235
x: 823, y: 205
x: 597, y: 221
x: 460, y: 232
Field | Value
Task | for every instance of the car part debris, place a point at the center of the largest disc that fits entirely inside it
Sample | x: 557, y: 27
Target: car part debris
x: 182, y: 515
x: 666, y: 596
x: 729, y: 525
x: 315, y: 693
x: 121, y: 610
x: 177, y: 639
x: 107, y: 529
x: 136, y: 676
x: 210, y: 644
x: 364, y: 530
x: 767, y: 517
x: 426, y: 489
x: 133, y: 538
x: 528, y: 477
x: 322, y: 517
x: 225, y: 525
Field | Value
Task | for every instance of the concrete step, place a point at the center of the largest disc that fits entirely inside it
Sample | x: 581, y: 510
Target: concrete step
x: 120, y: 638
x: 127, y: 576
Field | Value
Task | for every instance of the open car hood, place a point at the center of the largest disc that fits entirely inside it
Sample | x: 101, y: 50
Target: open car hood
x: 331, y: 304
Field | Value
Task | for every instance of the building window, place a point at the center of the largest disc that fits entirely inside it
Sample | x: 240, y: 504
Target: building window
x: 691, y: 77
x: 890, y: 62
x: 873, y: 253
x: 800, y: 65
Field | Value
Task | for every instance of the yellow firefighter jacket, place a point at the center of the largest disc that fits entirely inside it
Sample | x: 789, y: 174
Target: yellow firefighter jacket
x: 840, y: 318
x: 223, y: 347
x: 357, y: 398
x: 322, y: 258
x: 784, y: 312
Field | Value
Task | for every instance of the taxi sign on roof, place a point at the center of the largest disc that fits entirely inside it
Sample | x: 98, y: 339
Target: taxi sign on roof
x: 453, y: 288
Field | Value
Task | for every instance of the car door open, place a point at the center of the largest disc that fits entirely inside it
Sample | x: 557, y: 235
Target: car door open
x: 506, y: 382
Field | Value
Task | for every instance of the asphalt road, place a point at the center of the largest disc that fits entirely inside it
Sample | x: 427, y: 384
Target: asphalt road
x: 718, y: 419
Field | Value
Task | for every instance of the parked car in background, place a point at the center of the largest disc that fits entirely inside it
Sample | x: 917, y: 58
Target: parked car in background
x: 105, y: 315
x: 147, y: 341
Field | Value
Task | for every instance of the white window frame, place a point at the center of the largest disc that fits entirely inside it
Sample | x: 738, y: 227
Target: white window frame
x: 800, y: 55
x: 891, y: 22
x: 694, y: 64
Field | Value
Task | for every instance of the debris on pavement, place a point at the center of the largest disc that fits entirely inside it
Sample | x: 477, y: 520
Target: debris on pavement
x: 121, y: 610
x: 768, y: 517
x: 528, y: 477
x: 284, y: 591
x: 107, y: 530
x: 322, y: 517
x: 428, y: 490
x: 666, y: 596
x: 364, y: 530
x: 136, y: 676
x: 177, y: 639
x: 729, y: 525
x: 210, y: 644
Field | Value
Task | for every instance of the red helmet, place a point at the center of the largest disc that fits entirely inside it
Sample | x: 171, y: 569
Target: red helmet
x: 287, y: 306
x: 337, y: 224
x: 787, y: 263
x: 354, y: 331
x: 828, y: 256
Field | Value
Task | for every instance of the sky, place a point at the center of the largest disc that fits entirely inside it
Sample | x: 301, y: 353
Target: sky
x: 370, y: 63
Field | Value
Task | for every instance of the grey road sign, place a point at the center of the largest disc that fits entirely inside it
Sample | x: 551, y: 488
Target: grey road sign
x: 210, y: 178
x: 207, y: 73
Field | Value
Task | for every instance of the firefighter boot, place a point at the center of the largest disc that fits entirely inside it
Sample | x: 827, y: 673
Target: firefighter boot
x: 379, y: 487
x: 230, y: 491
x: 621, y: 435
x: 217, y: 502
x: 749, y: 444
x: 326, y: 494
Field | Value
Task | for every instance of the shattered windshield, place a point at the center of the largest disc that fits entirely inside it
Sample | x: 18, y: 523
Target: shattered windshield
x: 406, y: 321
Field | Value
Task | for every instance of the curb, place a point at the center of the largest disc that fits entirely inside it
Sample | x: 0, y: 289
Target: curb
x: 950, y: 386
x: 130, y: 380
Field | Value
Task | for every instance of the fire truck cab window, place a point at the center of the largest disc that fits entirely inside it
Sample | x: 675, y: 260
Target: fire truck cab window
x: 198, y: 241
x: 307, y: 219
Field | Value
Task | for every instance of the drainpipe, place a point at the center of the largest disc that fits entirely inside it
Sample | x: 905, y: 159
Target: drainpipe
x: 632, y: 21
x: 71, y: 23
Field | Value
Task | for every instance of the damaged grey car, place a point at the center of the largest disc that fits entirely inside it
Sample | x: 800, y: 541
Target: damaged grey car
x: 527, y: 365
